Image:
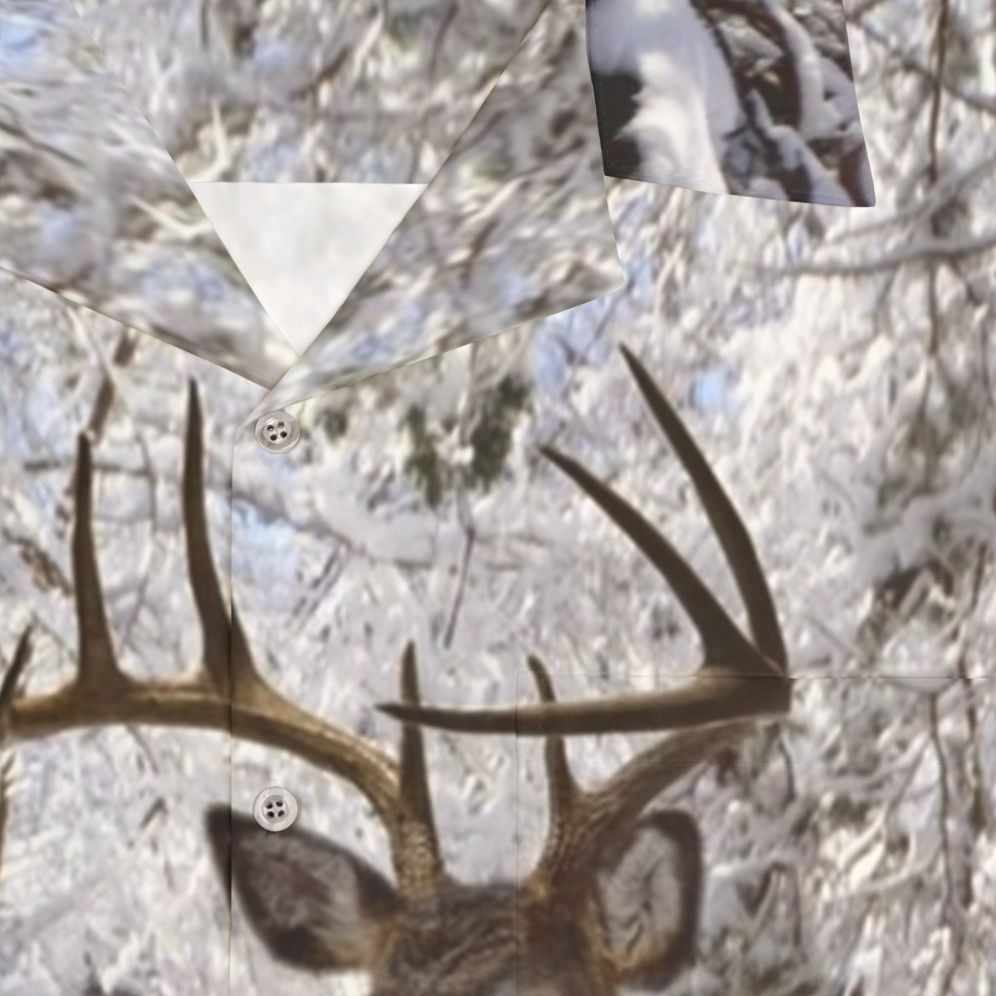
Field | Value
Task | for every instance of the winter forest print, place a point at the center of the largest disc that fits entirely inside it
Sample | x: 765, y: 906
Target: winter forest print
x: 389, y: 569
x: 509, y: 225
x: 835, y: 370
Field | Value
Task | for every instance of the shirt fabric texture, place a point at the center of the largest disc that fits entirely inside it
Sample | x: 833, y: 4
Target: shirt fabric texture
x: 187, y: 618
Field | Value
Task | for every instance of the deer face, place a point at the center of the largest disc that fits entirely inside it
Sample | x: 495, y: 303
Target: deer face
x: 629, y: 918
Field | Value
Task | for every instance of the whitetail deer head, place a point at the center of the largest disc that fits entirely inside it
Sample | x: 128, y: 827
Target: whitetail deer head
x: 615, y: 896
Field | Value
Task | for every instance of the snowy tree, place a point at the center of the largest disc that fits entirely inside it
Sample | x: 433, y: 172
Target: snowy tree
x: 837, y: 368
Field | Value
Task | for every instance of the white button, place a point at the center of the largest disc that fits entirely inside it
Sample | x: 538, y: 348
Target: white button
x: 277, y: 432
x: 275, y: 808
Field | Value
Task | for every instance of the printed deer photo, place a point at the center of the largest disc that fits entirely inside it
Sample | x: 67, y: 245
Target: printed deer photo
x: 494, y: 624
x: 615, y: 898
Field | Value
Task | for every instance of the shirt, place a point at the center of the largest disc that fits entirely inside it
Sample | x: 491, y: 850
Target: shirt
x: 286, y: 598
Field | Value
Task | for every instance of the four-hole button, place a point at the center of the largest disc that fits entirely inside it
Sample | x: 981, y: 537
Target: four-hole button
x: 277, y: 431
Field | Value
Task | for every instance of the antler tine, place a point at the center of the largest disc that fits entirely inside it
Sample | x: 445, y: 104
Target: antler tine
x: 100, y: 694
x: 10, y: 687
x: 420, y: 864
x: 612, y: 808
x: 735, y: 540
x: 560, y: 781
x: 211, y: 605
x: 736, y: 680
x: 581, y: 821
x: 565, y: 799
x: 11, y: 683
x: 226, y: 652
x: 98, y: 671
x: 703, y: 699
x: 721, y: 638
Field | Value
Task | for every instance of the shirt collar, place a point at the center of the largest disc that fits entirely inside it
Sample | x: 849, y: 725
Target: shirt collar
x: 513, y: 226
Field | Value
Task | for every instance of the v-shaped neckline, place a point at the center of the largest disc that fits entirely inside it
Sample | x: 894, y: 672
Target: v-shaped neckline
x: 302, y: 247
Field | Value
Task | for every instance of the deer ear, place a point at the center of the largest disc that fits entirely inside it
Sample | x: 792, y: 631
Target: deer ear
x: 650, y: 887
x: 313, y: 904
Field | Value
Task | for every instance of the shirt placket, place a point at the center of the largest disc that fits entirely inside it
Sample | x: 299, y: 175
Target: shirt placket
x: 311, y: 779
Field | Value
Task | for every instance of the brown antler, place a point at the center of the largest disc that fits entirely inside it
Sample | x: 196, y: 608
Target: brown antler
x: 582, y: 822
x: 738, y: 679
x: 9, y: 688
x: 227, y: 692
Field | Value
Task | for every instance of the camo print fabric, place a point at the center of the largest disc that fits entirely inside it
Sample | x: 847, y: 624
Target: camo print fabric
x: 514, y: 224
x: 419, y: 510
x: 527, y: 200
x: 308, y: 92
x: 743, y: 96
x: 732, y: 514
x: 92, y: 206
x: 105, y: 112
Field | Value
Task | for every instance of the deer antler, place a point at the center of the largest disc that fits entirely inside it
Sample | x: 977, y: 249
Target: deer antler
x: 227, y: 692
x: 739, y: 678
x: 581, y: 821
x: 9, y: 688
x: 615, y: 897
